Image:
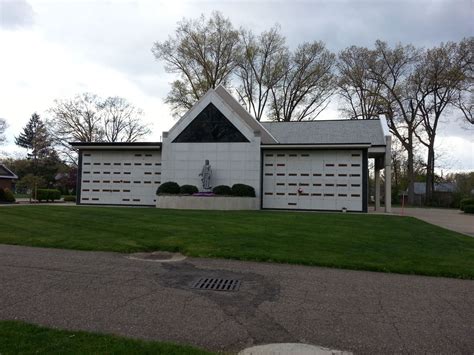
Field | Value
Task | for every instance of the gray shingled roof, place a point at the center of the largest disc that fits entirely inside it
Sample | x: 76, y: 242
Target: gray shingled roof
x: 327, y: 132
x: 6, y: 173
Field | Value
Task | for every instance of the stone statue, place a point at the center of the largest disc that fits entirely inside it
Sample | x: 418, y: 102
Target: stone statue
x: 206, y: 175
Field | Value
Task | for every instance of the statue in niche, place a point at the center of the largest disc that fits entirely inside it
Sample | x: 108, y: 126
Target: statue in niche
x: 206, y: 175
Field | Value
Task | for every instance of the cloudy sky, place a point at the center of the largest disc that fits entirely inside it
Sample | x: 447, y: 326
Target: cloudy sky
x: 56, y: 49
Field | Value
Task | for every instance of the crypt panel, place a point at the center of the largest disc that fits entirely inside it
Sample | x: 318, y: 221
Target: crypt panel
x: 122, y: 177
x: 313, y: 179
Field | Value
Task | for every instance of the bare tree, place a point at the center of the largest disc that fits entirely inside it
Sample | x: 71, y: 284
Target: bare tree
x: 359, y: 93
x: 306, y: 86
x: 121, y: 120
x: 203, y: 52
x: 392, y: 70
x: 78, y: 119
x: 261, y: 65
x: 439, y: 78
x: 3, y: 127
x: 465, y: 98
x: 88, y: 118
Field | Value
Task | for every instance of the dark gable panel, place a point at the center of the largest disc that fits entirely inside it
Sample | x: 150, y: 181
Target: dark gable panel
x: 210, y: 126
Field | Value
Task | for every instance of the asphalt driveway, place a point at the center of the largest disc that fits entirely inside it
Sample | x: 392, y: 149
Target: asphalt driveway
x: 363, y: 312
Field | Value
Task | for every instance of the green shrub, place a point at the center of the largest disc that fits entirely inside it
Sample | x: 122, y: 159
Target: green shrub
x: 6, y: 195
x: 466, y: 201
x: 243, y: 190
x: 169, y: 187
x: 188, y: 189
x: 47, y: 194
x: 222, y: 190
x: 469, y: 208
x: 70, y: 198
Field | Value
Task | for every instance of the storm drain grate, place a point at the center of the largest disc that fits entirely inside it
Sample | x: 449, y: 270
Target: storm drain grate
x: 205, y: 283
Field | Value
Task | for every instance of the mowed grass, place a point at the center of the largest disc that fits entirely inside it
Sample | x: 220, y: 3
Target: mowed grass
x: 23, y: 338
x: 352, y: 241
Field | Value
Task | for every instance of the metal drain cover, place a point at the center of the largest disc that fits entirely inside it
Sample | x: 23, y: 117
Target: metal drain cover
x: 205, y: 283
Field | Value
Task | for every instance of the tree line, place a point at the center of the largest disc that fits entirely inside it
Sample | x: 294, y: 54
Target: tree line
x: 413, y: 87
x: 50, y: 160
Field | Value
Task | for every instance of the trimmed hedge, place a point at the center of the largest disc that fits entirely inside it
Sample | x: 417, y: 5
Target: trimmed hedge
x: 48, y: 195
x: 69, y: 198
x: 188, y: 189
x: 222, y: 190
x: 169, y: 187
x: 243, y: 190
x: 6, y: 195
x: 466, y: 201
x: 469, y: 208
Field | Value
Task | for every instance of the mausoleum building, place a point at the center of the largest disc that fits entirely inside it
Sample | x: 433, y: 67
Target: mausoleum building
x: 311, y: 165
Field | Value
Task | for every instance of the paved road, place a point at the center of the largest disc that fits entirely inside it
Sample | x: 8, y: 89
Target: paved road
x: 363, y: 312
x: 455, y: 220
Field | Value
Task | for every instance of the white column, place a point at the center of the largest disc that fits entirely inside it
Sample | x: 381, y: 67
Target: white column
x: 388, y: 174
x: 377, y: 188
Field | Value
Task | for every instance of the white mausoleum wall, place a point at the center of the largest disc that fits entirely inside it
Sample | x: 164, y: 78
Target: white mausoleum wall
x: 231, y: 163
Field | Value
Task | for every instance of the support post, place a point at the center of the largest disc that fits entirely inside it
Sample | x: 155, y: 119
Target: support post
x: 388, y: 174
x: 377, y: 188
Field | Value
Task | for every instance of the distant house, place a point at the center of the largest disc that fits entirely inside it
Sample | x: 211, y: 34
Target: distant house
x: 7, y: 178
x: 442, y: 196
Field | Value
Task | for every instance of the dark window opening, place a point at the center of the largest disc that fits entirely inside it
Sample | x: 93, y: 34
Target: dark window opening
x: 210, y: 125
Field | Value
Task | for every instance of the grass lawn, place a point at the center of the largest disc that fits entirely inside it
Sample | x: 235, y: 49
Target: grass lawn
x: 353, y: 241
x: 24, y: 338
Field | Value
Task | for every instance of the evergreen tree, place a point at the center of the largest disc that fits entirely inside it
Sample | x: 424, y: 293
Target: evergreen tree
x: 35, y: 138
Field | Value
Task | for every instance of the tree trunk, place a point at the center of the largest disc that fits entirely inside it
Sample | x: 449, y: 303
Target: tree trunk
x: 430, y: 174
x: 411, y: 178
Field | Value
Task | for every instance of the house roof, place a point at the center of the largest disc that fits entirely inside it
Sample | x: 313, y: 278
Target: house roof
x: 116, y: 145
x: 328, y: 132
x: 420, y: 187
x: 6, y: 173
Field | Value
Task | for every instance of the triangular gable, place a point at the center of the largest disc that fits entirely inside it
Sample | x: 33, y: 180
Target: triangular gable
x: 267, y: 137
x: 6, y: 173
x: 210, y: 126
x: 230, y: 109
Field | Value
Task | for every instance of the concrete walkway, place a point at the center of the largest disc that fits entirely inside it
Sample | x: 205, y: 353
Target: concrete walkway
x: 362, y: 312
x: 452, y: 219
